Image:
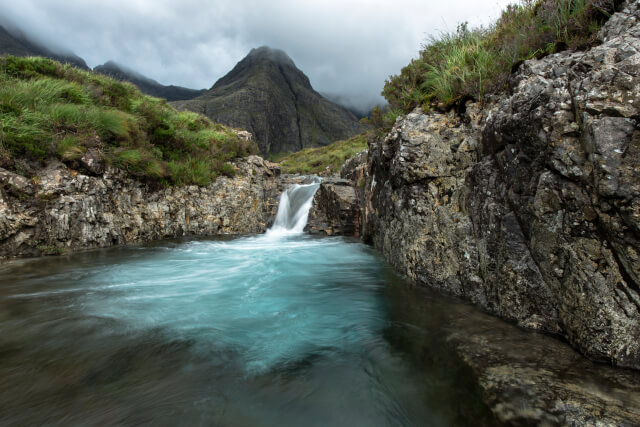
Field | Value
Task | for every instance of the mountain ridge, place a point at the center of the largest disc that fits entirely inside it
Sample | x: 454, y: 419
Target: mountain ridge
x: 146, y: 84
x: 17, y: 43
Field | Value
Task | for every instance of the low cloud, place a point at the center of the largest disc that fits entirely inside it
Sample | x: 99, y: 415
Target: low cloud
x: 347, y: 49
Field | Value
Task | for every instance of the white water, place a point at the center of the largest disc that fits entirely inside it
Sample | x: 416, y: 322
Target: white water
x: 293, y: 210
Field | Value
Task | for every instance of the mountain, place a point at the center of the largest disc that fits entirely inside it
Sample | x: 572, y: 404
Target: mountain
x: 147, y: 85
x: 17, y: 44
x: 269, y: 96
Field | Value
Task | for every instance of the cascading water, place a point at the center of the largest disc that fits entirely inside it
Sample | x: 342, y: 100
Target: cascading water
x: 293, y: 210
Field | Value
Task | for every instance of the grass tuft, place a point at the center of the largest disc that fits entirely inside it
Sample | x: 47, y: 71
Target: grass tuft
x: 471, y: 63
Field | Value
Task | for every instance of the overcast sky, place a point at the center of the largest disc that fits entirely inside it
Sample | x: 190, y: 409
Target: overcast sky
x: 346, y: 48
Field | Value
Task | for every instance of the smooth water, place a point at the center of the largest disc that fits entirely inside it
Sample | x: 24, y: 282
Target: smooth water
x: 280, y: 329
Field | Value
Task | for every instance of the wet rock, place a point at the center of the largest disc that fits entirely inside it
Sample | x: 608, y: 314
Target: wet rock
x: 335, y: 209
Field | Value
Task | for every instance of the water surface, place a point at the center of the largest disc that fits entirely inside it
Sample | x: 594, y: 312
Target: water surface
x: 275, y: 329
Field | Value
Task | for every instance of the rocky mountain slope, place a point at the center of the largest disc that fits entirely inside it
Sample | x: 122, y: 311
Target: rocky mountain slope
x: 146, y: 85
x: 17, y: 44
x: 269, y: 96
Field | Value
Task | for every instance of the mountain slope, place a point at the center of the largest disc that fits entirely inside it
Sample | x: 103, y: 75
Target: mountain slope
x: 269, y: 96
x: 17, y: 44
x: 147, y: 85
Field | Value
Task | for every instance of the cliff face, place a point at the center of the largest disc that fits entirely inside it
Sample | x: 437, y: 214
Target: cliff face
x: 529, y: 206
x: 147, y: 85
x: 269, y: 96
x: 60, y: 209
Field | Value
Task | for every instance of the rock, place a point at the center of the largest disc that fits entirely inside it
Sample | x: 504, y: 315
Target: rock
x: 93, y: 161
x: 527, y: 206
x: 15, y: 184
x: 525, y: 378
x: 66, y: 210
x: 335, y: 209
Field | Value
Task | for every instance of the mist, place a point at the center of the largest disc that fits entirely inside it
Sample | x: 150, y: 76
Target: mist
x: 347, y: 49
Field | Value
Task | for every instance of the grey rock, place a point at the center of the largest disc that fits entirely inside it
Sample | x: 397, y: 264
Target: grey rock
x: 527, y: 206
x: 63, y: 210
x: 335, y: 209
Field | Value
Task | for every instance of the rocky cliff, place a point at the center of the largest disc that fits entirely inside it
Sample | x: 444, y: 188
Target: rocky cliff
x: 145, y: 84
x: 528, y: 206
x: 60, y: 209
x: 269, y: 96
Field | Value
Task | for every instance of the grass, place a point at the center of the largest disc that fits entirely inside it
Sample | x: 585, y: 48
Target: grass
x: 317, y: 160
x: 471, y: 63
x: 50, y: 110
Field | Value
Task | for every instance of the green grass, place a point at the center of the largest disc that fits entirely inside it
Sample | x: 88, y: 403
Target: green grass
x: 317, y: 160
x: 471, y: 63
x: 50, y: 110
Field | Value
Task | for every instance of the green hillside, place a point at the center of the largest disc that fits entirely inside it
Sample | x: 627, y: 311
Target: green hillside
x: 52, y: 110
x: 317, y: 160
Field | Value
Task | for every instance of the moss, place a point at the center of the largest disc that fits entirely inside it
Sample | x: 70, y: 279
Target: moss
x: 51, y: 250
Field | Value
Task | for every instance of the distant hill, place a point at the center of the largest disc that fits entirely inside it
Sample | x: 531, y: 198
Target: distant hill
x: 147, y: 85
x: 13, y: 42
x: 269, y: 96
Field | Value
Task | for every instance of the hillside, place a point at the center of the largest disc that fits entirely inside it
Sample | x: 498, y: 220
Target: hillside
x: 54, y: 111
x: 145, y: 84
x: 17, y: 44
x: 269, y: 96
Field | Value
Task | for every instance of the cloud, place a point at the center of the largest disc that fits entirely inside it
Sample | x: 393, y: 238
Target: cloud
x: 347, y: 48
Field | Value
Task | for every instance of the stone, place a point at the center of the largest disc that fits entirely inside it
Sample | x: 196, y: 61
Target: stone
x: 63, y: 210
x: 335, y: 209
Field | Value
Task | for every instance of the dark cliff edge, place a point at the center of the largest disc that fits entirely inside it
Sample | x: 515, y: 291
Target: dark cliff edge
x: 269, y: 96
x: 528, y: 207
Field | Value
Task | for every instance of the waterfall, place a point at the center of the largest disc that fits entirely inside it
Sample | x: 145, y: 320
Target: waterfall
x: 293, y: 210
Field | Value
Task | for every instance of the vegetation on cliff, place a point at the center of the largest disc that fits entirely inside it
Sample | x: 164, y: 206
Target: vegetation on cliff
x: 52, y: 110
x: 324, y: 159
x: 470, y: 63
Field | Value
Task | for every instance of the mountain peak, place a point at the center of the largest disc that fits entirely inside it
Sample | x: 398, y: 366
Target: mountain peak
x: 270, y: 54
x: 266, y: 94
